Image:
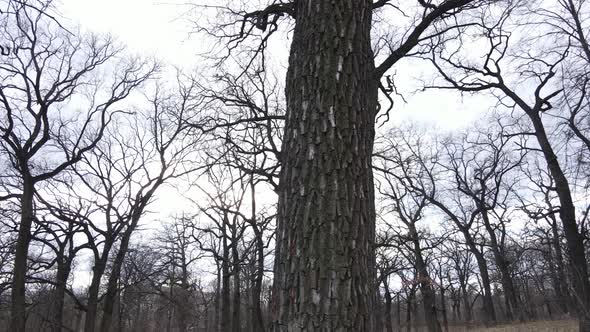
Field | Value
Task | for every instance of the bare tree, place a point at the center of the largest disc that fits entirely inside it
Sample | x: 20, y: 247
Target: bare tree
x: 59, y: 225
x: 408, y: 207
x: 181, y: 252
x: 123, y: 174
x: 40, y: 133
x: 539, y: 204
x: 421, y: 172
x: 482, y: 165
x: 538, y: 70
x: 222, y: 238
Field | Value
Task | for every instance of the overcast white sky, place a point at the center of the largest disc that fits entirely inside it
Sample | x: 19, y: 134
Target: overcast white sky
x: 160, y: 28
x: 145, y: 26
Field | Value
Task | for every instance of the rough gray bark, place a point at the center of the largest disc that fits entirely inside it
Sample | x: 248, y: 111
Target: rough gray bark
x: 324, y: 257
x: 324, y: 264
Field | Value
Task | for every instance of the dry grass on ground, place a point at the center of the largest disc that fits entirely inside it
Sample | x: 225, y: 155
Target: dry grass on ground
x: 539, y: 326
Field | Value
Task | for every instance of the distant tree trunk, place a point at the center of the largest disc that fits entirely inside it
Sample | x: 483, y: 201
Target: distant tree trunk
x: 531, y: 311
x: 112, y: 285
x: 92, y: 307
x: 378, y: 312
x: 206, y: 319
x: 425, y: 282
x: 387, y: 316
x: 257, y: 319
x: 443, y: 305
x: 121, y: 313
x: 511, y: 299
x: 398, y: 312
x: 182, y: 302
x: 236, y: 273
x: 559, y: 279
x: 18, y: 310
x: 324, y: 266
x: 410, y: 308
x: 137, y: 325
x: 183, y: 305
x: 225, y: 324
x: 64, y: 265
x: 488, y: 303
x: 250, y: 298
x: 466, y: 302
x: 78, y: 322
x: 540, y: 285
x: 217, y: 309
x: 170, y: 308
x: 456, y: 298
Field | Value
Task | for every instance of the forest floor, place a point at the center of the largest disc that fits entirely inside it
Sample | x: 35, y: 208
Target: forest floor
x: 538, y: 326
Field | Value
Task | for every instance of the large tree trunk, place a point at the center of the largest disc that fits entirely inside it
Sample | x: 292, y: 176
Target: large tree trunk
x: 18, y: 309
x: 324, y: 266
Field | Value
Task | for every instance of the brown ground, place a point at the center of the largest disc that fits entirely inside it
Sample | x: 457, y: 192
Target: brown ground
x: 539, y: 326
